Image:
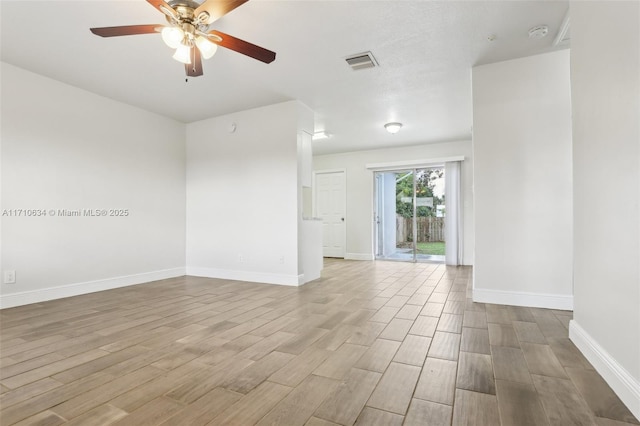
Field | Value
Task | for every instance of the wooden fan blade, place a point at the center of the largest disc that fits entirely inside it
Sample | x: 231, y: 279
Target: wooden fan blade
x: 125, y: 30
x: 244, y: 47
x: 218, y: 8
x: 194, y: 69
x: 163, y: 7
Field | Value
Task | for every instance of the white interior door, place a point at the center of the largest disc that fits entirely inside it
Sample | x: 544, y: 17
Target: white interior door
x: 331, y: 207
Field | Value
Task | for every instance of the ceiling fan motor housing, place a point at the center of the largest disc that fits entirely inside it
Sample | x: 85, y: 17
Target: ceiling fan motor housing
x: 186, y: 12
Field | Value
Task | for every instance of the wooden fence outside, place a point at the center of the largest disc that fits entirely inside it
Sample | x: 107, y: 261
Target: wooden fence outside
x: 430, y: 229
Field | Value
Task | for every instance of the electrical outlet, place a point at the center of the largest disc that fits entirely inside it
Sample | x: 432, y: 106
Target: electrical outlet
x: 282, y: 260
x: 240, y: 258
x: 10, y: 276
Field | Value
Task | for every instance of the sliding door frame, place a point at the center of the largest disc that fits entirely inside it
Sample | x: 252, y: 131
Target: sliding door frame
x: 413, y: 167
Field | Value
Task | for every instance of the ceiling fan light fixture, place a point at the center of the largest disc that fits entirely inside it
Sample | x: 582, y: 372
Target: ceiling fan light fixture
x: 207, y: 48
x: 393, y: 128
x: 172, y: 36
x: 183, y: 54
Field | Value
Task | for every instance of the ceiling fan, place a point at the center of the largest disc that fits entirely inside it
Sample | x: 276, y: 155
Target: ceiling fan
x: 188, y: 32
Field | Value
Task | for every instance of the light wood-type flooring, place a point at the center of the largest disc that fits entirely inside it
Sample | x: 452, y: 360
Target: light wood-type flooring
x: 371, y: 343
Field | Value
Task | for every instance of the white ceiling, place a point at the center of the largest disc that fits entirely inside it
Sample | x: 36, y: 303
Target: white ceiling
x: 425, y: 49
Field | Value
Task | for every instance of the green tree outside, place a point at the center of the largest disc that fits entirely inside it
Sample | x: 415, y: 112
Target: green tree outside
x: 425, y: 183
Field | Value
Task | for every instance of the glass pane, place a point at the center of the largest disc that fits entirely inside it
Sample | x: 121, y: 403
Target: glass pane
x: 394, y: 215
x: 430, y: 214
x: 404, y: 215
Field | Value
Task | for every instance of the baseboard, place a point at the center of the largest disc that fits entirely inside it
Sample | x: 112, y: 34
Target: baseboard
x: 42, y: 295
x: 254, y: 277
x: 358, y: 256
x: 307, y: 278
x: 534, y: 300
x: 623, y: 384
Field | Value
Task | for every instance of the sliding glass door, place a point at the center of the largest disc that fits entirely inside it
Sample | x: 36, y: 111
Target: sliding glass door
x: 410, y: 214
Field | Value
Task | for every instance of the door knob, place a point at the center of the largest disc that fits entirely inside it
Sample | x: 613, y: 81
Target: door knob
x: 342, y: 219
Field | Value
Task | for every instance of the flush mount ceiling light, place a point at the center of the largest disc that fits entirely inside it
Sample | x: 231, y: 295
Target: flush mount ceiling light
x: 393, y: 128
x: 539, y: 31
x: 189, y: 32
x: 320, y: 135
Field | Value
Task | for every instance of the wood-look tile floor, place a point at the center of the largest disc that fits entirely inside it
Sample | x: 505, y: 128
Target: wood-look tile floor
x: 371, y: 343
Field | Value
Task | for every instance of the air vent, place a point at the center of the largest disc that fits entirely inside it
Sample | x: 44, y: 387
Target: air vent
x: 362, y: 61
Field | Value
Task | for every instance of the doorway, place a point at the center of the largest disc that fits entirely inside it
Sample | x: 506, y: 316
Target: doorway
x: 330, y: 206
x: 410, y: 214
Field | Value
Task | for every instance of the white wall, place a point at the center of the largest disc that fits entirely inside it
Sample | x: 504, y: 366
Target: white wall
x: 522, y: 181
x: 605, y: 78
x: 65, y: 148
x: 360, y: 189
x: 243, y: 206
